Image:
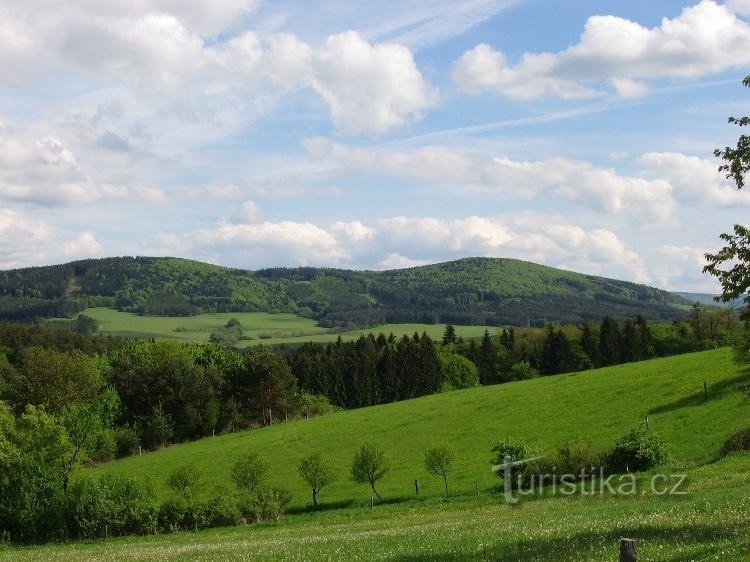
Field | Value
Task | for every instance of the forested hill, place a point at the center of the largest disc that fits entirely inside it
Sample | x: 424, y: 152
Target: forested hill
x: 469, y: 291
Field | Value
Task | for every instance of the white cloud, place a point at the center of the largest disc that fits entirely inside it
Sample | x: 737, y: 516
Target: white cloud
x: 25, y: 241
x: 694, y: 179
x: 46, y: 172
x: 84, y: 245
x: 169, y: 52
x: 741, y: 7
x: 706, y: 38
x: 405, y: 241
x: 603, y: 189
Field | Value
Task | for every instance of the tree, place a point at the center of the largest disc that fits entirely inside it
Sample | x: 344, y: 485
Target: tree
x: 438, y: 461
x: 487, y: 360
x: 735, y: 277
x: 249, y: 472
x: 187, y: 480
x: 449, y: 335
x: 315, y: 472
x: 456, y: 371
x: 53, y: 380
x: 610, y: 342
x: 369, y: 465
x: 265, y: 381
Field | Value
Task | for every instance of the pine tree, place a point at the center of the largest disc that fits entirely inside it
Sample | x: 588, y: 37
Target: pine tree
x: 487, y: 360
x: 449, y: 335
x: 610, y: 343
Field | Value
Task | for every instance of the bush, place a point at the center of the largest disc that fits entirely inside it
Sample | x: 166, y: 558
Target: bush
x: 265, y: 504
x: 249, y: 472
x: 219, y: 509
x: 173, y: 514
x: 740, y: 441
x: 127, y: 441
x: 636, y: 451
x: 516, y: 450
x: 110, y: 506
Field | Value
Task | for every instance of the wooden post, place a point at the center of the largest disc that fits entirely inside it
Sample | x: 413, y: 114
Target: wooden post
x: 476, y: 489
x: 646, y: 422
x: 372, y: 501
x: 705, y: 390
x: 416, y: 486
x: 628, y: 550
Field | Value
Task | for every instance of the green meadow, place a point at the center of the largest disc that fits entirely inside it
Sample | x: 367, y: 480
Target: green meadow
x: 593, y: 408
x: 281, y: 328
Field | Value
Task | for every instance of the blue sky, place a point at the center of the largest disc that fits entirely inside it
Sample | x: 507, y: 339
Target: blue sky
x: 372, y: 134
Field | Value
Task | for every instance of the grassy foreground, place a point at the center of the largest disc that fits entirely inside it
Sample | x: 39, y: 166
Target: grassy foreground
x: 260, y: 327
x: 709, y: 523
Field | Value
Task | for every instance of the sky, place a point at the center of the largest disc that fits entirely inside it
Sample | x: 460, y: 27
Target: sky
x: 373, y: 134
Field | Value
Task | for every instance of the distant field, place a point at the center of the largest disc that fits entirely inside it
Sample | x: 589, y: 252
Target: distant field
x: 709, y: 523
x: 258, y: 326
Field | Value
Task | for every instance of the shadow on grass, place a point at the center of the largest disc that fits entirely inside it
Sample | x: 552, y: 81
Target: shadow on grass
x: 716, y: 391
x: 580, y: 546
x: 327, y: 506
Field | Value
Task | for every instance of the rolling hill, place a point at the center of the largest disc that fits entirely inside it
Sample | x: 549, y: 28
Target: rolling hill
x: 709, y: 522
x: 471, y: 291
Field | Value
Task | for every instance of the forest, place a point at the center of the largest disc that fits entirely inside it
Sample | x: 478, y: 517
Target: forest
x: 476, y: 291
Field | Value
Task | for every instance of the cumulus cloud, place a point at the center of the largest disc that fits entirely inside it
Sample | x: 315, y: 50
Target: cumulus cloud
x: 704, y: 39
x: 46, y: 172
x: 405, y: 241
x: 603, y: 189
x: 171, y: 50
x: 694, y: 179
x: 25, y: 240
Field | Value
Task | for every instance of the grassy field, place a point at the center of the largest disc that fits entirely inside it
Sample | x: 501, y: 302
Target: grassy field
x: 258, y: 326
x: 709, y: 523
x: 592, y: 407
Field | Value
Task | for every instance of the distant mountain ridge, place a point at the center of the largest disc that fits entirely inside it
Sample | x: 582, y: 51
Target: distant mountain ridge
x: 492, y: 291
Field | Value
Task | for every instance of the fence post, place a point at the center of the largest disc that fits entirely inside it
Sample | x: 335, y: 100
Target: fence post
x: 416, y: 486
x: 628, y: 550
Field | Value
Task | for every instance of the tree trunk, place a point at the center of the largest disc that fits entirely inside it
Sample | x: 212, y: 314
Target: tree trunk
x: 315, y: 497
x: 445, y: 480
x: 374, y: 491
x: 628, y: 550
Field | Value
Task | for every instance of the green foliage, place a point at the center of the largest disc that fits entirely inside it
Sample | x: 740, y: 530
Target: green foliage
x: 186, y: 480
x: 479, y: 291
x: 369, y: 465
x: 264, y: 383
x: 127, y: 441
x: 110, y: 506
x: 521, y: 371
x: 740, y: 441
x: 456, y: 371
x: 439, y: 461
x: 516, y: 449
x: 315, y: 471
x: 265, y: 504
x: 53, y: 379
x: 636, y: 451
x: 250, y: 472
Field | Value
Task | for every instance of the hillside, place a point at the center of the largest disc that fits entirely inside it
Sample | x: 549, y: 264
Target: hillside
x: 472, y: 291
x: 549, y: 412
x: 707, y: 521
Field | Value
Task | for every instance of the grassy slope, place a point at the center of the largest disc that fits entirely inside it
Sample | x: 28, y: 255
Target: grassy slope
x: 593, y: 407
x: 710, y: 523
x: 283, y: 327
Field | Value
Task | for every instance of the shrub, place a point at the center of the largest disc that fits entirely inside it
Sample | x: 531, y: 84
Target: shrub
x: 740, y: 441
x: 369, y: 465
x: 265, y: 504
x: 110, y: 506
x: 127, y: 441
x: 636, y: 451
x: 516, y: 450
x: 186, y: 480
x: 173, y: 514
x: 316, y: 473
x: 438, y: 461
x: 249, y: 472
x: 219, y: 509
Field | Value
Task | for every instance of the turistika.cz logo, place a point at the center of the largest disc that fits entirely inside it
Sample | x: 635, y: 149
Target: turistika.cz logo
x: 593, y: 481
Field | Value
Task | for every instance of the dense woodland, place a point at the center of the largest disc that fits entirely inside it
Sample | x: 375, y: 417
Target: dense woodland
x: 478, y: 291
